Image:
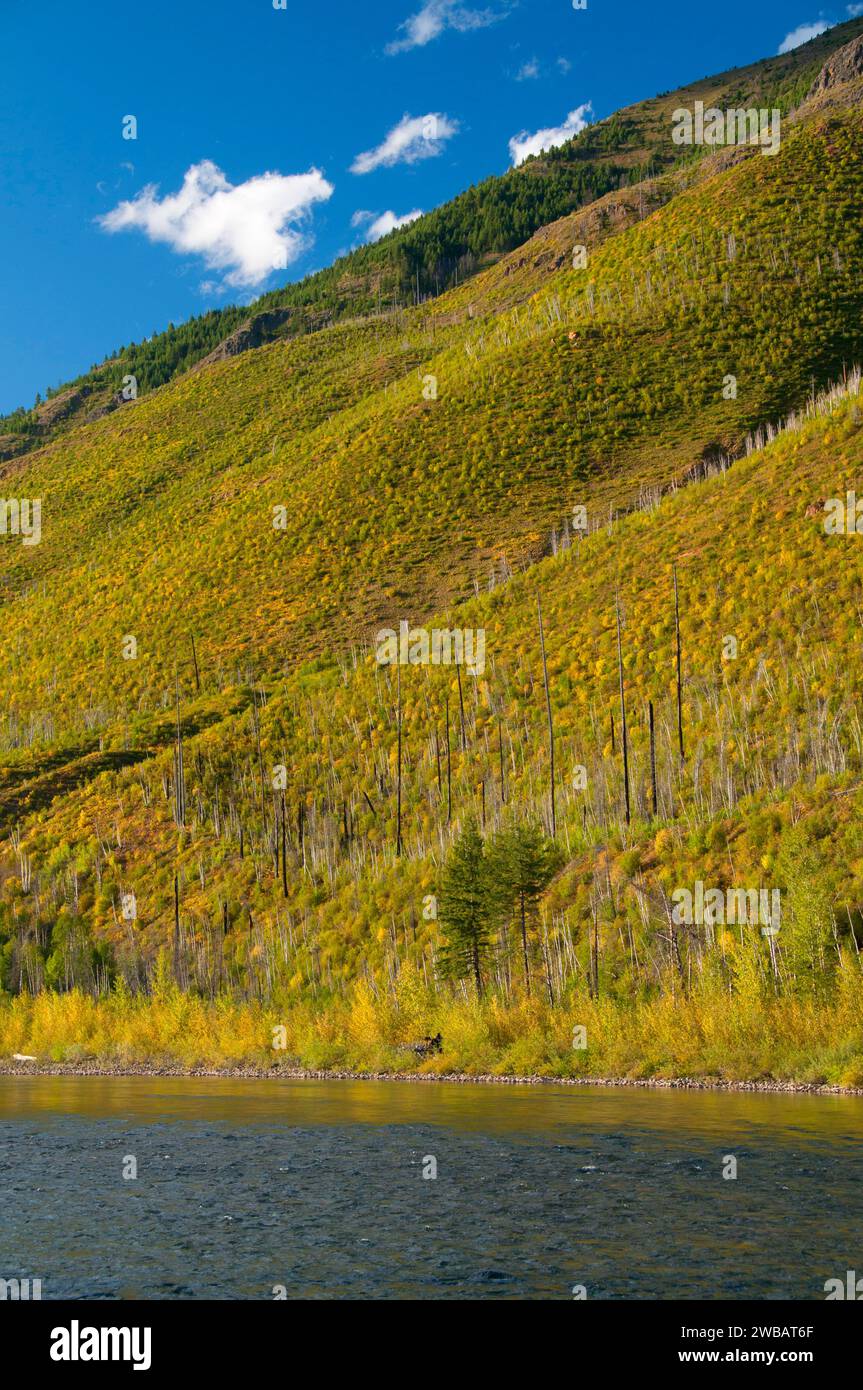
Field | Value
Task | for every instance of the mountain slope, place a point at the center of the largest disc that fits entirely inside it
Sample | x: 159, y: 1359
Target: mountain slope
x: 158, y: 522
x: 278, y: 805
x: 771, y: 783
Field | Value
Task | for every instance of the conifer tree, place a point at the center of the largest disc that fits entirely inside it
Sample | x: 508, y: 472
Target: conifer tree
x: 525, y: 861
x: 466, y: 910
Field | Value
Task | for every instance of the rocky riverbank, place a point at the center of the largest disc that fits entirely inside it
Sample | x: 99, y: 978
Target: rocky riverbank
x: 94, y: 1067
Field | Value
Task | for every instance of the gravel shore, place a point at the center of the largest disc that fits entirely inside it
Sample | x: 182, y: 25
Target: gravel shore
x: 8, y: 1067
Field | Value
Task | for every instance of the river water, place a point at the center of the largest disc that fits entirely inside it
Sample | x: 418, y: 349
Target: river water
x: 258, y: 1189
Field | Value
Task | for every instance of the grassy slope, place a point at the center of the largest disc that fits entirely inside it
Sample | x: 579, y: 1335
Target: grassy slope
x: 608, y: 381
x: 390, y: 499
x: 774, y: 753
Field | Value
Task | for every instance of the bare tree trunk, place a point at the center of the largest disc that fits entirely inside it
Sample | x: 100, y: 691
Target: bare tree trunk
x: 623, y: 716
x: 176, y: 944
x: 448, y: 764
x: 284, y: 847
x: 595, y: 953
x: 524, y: 946
x: 260, y: 765
x: 179, y: 769
x: 399, y: 793
x: 653, y: 762
x: 437, y: 760
x: 679, y: 682
x: 550, y: 721
x: 500, y: 756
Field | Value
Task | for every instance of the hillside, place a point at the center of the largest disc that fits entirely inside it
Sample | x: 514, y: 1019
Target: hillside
x: 768, y: 793
x: 284, y: 810
x: 596, y: 386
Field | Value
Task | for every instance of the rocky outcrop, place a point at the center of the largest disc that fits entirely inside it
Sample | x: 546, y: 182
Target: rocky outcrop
x: 113, y: 403
x: 845, y: 65
x: 51, y: 412
x: 267, y: 327
x: 252, y: 333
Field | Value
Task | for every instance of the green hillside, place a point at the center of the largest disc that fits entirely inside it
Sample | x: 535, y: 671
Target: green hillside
x: 605, y: 382
x: 768, y: 794
x: 293, y: 819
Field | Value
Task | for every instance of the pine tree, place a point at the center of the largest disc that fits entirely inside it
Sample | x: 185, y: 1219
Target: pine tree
x: 466, y: 910
x: 526, y: 860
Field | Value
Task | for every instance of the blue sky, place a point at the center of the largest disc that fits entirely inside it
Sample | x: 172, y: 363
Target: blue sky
x: 281, y: 137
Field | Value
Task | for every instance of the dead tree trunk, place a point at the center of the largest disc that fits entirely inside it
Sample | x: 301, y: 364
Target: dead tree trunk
x: 284, y: 847
x: 179, y: 770
x: 448, y: 763
x: 461, y: 707
x: 654, y: 797
x: 500, y: 755
x: 399, y: 780
x: 437, y: 760
x: 550, y: 720
x: 623, y: 732
x: 176, y: 942
x: 679, y: 681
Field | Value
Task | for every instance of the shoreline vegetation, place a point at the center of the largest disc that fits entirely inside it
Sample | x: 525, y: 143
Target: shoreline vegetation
x: 695, y: 1040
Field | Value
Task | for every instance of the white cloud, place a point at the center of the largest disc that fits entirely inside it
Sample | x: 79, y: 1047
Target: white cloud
x: 803, y: 33
x: 435, y: 16
x: 379, y: 224
x: 564, y: 64
x: 529, y: 70
x: 414, y: 138
x: 245, y: 231
x: 854, y: 10
x: 525, y: 144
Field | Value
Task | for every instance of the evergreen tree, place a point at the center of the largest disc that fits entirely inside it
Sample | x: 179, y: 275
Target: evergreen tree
x: 526, y: 861
x: 466, y: 910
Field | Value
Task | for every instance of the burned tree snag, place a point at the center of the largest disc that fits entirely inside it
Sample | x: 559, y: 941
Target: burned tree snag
x: 500, y: 757
x: 654, y: 798
x: 548, y: 712
x: 461, y: 707
x: 399, y: 792
x: 448, y: 764
x: 679, y: 681
x: 623, y: 732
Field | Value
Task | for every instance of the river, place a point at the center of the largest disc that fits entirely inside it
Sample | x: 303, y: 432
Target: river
x: 118, y: 1188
